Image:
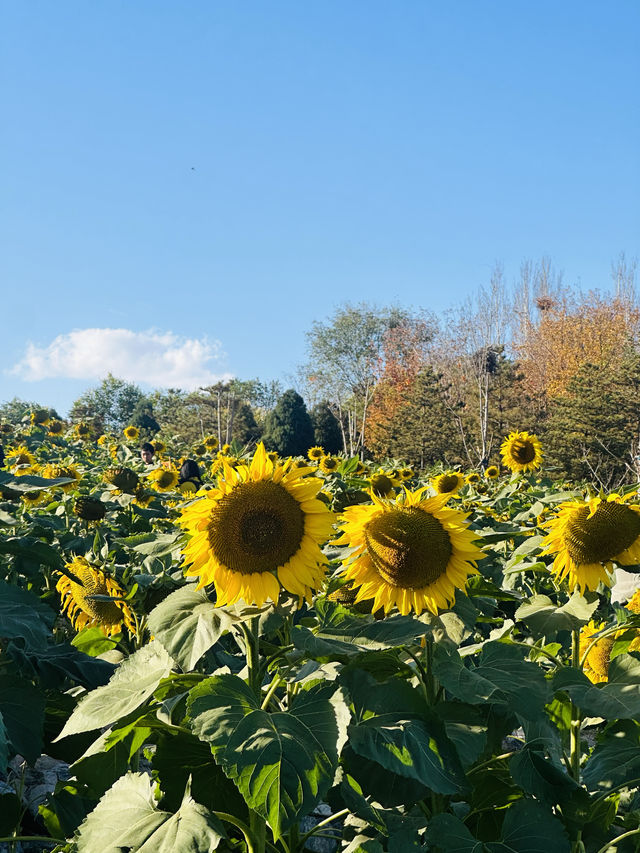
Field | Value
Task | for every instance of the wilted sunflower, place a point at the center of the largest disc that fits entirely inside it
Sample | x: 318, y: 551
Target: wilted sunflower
x: 596, y: 664
x: 131, y: 433
x: 382, y: 485
x: 164, y: 479
x: 211, y: 442
x: 122, y: 478
x: 90, y: 509
x: 260, y: 529
x: 587, y: 536
x: 447, y: 483
x: 55, y: 428
x: 413, y: 553
x: 329, y: 464
x: 491, y: 472
x: 82, y: 431
x: 316, y: 453
x: 40, y: 417
x: 521, y: 452
x: 54, y: 472
x: 20, y: 455
x: 84, y: 612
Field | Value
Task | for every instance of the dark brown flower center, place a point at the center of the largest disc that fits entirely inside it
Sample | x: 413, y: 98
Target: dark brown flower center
x: 523, y: 450
x: 610, y: 531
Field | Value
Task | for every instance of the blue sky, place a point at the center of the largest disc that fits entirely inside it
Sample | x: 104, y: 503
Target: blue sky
x: 187, y: 186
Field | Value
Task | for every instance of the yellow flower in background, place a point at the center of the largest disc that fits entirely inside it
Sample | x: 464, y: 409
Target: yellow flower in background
x: 40, y: 417
x: 412, y: 554
x: 329, y: 464
x: 587, y: 536
x: 315, y: 454
x: 361, y: 468
x: 211, y: 443
x: 272, y: 456
x: 596, y: 664
x: 82, y: 431
x: 406, y: 474
x: 259, y: 530
x: 521, y: 452
x: 103, y: 440
x: 225, y: 449
x: 199, y: 449
x: 54, y: 472
x: 491, y: 472
x: 36, y: 498
x: 82, y: 610
x: 164, y: 479
x: 20, y: 455
x: 472, y: 478
x: 158, y: 446
x: 55, y: 428
x: 131, y: 433
x: 382, y: 485
x: 448, y: 483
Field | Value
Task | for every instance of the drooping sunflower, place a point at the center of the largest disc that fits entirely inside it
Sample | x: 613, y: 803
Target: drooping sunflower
x: 164, y: 479
x: 40, y: 417
x: 448, y: 483
x: 211, y: 443
x: 82, y: 610
x: 329, y: 464
x: 131, y: 433
x: 260, y: 529
x: 587, y: 536
x: 82, y: 431
x: 158, y: 446
x: 316, y: 453
x: 199, y: 449
x: 361, y: 468
x: 54, y: 472
x: 90, y: 509
x: 596, y: 664
x: 55, y: 428
x: 381, y: 485
x: 521, y: 452
x: 491, y: 472
x: 413, y: 553
x: 122, y: 478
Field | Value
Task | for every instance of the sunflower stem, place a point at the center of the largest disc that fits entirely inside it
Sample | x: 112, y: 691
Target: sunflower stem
x: 612, y: 845
x: 574, y: 731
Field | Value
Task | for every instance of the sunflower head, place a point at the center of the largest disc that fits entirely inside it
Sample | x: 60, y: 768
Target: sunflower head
x: 587, y: 536
x: 260, y: 529
x: 35, y: 498
x: 89, y: 509
x: 164, y: 479
x: 200, y: 449
x: 21, y: 455
x: 492, y: 472
x: 316, y: 453
x: 413, y: 553
x: 329, y: 464
x: 472, y: 478
x: 634, y: 602
x: 596, y: 664
x: 448, y: 483
x: 406, y: 474
x: 122, y: 478
x: 102, y: 440
x: 381, y: 485
x: 40, y: 417
x: 521, y: 452
x: 211, y: 443
x: 55, y: 428
x: 131, y: 433
x: 82, y: 431
x: 158, y: 446
x: 54, y: 472
x: 224, y: 450
x: 83, y: 610
x: 142, y: 497
x: 361, y: 468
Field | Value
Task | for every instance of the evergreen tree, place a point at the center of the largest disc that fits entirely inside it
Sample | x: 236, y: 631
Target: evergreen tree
x: 288, y: 428
x: 245, y: 428
x: 326, y: 428
x: 142, y: 417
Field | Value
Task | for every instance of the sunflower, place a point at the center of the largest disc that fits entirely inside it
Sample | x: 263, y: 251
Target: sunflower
x: 21, y: 455
x: 82, y: 431
x: 122, y: 478
x: 472, y: 478
x: 102, y: 440
x: 405, y: 474
x: 35, y: 498
x: 447, y: 483
x: 55, y: 428
x: 272, y: 456
x: 131, y: 433
x: 53, y: 472
x: 361, y: 468
x: 596, y: 664
x: 316, y: 453
x: 211, y: 443
x: 142, y: 497
x: 413, y: 553
x: 382, y: 485
x: 634, y: 602
x: 587, y: 536
x: 40, y: 417
x: 199, y: 449
x: 80, y: 607
x: 164, y: 479
x: 224, y: 450
x: 492, y: 472
x: 329, y: 464
x: 158, y: 446
x: 521, y: 452
x: 260, y: 529
x: 90, y: 509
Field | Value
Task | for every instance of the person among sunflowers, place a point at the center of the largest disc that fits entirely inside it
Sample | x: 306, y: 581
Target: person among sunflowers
x: 147, y: 451
x: 189, y: 478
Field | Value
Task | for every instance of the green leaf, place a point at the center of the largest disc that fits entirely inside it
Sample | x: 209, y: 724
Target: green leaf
x: 282, y: 763
x: 10, y: 813
x: 188, y: 624
x: 545, y: 618
x: 502, y: 677
x: 537, y: 775
x: 529, y: 827
x: 447, y: 834
x: 22, y: 709
x: 23, y: 614
x: 54, y: 664
x: 100, y: 767
x: 128, y: 817
x: 64, y: 810
x: 132, y: 684
x: 619, y: 699
x: 93, y: 642
x: 354, y: 799
x: 160, y: 544
x: 395, y: 728
x: 616, y: 758
x: 27, y: 547
x: 465, y: 728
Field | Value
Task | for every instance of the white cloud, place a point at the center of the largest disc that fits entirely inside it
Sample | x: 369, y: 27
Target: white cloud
x: 160, y: 359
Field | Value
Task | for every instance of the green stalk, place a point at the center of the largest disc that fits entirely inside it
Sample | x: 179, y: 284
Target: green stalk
x: 257, y: 824
x: 576, y: 720
x: 612, y: 845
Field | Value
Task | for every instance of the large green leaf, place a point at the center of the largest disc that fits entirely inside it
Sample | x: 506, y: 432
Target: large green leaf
x: 187, y: 624
x: 465, y: 728
x: 22, y: 709
x: 502, y: 677
x: 132, y: 684
x: 127, y: 817
x: 54, y: 664
x: 282, y: 763
x: 394, y: 727
x: 530, y: 827
x: 539, y: 776
x: 27, y: 547
x: 24, y: 615
x: 619, y: 699
x: 616, y: 758
x: 447, y: 834
x: 545, y: 618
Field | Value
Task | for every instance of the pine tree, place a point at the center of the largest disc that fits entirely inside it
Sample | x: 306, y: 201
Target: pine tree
x: 326, y: 428
x: 288, y: 428
x: 245, y: 428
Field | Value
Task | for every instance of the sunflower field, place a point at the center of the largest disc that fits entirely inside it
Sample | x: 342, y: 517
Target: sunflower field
x: 312, y: 654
